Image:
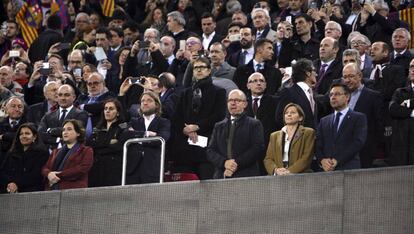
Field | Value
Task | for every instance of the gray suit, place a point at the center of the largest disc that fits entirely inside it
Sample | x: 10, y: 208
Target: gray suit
x: 225, y: 71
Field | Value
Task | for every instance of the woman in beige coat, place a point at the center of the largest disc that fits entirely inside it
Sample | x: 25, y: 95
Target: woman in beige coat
x: 290, y: 150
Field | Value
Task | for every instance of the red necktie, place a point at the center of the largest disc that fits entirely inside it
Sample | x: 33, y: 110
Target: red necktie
x: 255, y: 106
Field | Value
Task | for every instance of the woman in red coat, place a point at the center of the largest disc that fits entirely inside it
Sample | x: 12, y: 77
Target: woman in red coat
x: 68, y: 167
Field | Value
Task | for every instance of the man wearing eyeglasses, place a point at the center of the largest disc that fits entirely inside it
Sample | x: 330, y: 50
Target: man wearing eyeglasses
x: 361, y: 43
x: 50, y: 126
x: 341, y: 135
x: 261, y: 106
x: 237, y: 141
x: 198, y: 109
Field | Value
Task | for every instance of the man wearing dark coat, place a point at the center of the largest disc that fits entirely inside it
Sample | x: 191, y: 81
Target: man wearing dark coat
x: 237, y: 141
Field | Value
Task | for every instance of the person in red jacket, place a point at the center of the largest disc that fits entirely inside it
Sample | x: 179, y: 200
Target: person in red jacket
x: 68, y: 166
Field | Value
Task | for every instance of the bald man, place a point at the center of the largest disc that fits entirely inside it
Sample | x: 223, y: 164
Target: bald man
x: 237, y: 141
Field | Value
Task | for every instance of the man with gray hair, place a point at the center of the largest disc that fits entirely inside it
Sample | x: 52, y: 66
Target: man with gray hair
x: 367, y: 101
x: 361, y: 43
x: 401, y: 54
x: 261, y: 23
x: 38, y: 110
x: 175, y: 25
x: 236, y: 143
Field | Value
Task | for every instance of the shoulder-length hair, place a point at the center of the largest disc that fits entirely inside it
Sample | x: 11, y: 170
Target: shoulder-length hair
x: 156, y: 99
x: 299, y: 110
x: 17, y: 145
x: 119, y: 108
x: 78, y: 126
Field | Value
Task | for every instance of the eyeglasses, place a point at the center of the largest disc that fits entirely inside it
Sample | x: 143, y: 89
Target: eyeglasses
x: 336, y: 94
x: 257, y: 81
x: 411, y: 66
x: 236, y: 100
x: 75, y: 61
x: 64, y: 94
x: 200, y: 67
x: 349, y: 77
x: 93, y: 83
x: 358, y: 43
x: 191, y: 43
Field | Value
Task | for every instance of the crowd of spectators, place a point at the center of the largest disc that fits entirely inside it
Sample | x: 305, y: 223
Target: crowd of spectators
x: 235, y: 87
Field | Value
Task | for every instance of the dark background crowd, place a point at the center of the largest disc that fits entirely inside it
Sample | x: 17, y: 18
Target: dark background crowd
x: 87, y: 81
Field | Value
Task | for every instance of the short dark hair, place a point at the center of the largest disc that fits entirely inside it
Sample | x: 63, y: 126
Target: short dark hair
x: 305, y: 16
x: 104, y: 30
x: 54, y: 22
x: 300, y: 68
x: 78, y: 126
x: 260, y: 43
x: 131, y: 25
x: 235, y: 24
x: 347, y: 91
x: 207, y: 14
x: 165, y: 80
x: 117, y: 31
x: 203, y: 60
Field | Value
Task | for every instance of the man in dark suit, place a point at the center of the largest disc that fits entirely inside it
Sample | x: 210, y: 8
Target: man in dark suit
x: 208, y: 26
x: 263, y: 54
x: 38, y: 110
x: 402, y: 113
x: 261, y: 106
x: 144, y: 159
x: 328, y: 66
x: 236, y: 142
x: 8, y: 126
x: 361, y: 43
x: 261, y: 24
x: 304, y: 79
x: 246, y: 53
x: 401, y: 54
x: 50, y: 126
x: 340, y: 136
x: 368, y: 102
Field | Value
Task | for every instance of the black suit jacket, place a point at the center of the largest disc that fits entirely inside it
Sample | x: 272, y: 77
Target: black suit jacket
x: 370, y: 104
x: 144, y: 159
x: 247, y: 146
x: 8, y: 133
x: 295, y: 94
x: 346, y: 144
x: 334, y: 71
x: 94, y: 109
x: 50, y: 127
x: 37, y: 111
x: 216, y: 38
x: 272, y: 75
x: 403, y: 60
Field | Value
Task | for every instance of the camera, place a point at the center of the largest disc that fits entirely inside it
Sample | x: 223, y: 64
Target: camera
x: 137, y: 80
x: 45, y: 70
x: 144, y: 44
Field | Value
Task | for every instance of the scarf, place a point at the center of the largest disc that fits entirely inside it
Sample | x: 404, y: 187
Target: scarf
x: 197, y: 89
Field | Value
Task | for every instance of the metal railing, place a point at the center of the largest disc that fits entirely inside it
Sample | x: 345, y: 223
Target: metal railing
x: 138, y: 140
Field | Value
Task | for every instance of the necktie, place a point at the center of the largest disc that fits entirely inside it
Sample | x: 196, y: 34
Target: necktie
x: 259, y: 67
x: 255, y: 106
x: 321, y: 74
x: 377, y: 73
x: 336, y: 123
x: 278, y: 48
x: 92, y: 99
x: 230, y: 139
x: 62, y: 116
x: 13, y: 124
x: 258, y: 35
x: 397, y: 55
x: 242, y: 59
x: 311, y: 101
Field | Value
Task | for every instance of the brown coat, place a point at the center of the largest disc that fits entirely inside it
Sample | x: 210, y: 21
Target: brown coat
x: 300, y: 152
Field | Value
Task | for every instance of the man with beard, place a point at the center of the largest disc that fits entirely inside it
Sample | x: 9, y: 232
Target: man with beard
x: 144, y: 159
x: 237, y: 141
x: 243, y: 56
x: 198, y: 109
x: 260, y: 63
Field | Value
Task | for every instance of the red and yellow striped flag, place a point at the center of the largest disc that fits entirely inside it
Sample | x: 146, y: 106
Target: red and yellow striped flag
x: 108, y: 7
x: 407, y: 15
x: 28, y: 18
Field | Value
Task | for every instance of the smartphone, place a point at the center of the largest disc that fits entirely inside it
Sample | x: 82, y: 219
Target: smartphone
x: 137, y: 80
x: 234, y: 37
x: 144, y: 44
x: 182, y: 44
x: 64, y: 46
x: 14, y: 53
x: 77, y: 72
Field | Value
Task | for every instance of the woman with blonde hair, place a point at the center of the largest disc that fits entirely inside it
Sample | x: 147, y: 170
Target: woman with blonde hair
x: 290, y: 150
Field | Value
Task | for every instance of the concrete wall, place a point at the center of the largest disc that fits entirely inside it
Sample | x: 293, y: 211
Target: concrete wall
x: 359, y: 201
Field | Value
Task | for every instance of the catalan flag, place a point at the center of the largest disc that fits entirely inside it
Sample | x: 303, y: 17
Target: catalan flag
x: 58, y: 7
x: 407, y: 15
x: 108, y: 7
x: 29, y: 18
